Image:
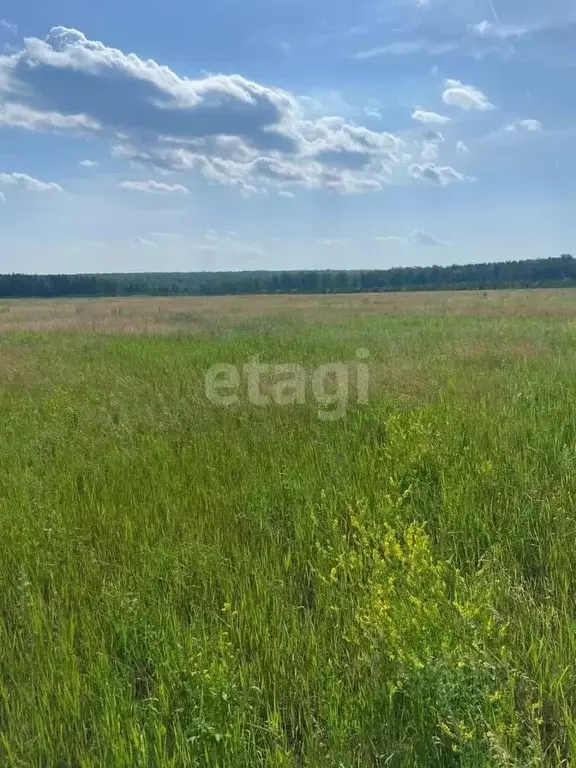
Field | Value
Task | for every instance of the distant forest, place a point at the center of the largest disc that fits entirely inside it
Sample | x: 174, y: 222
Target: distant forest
x: 540, y: 273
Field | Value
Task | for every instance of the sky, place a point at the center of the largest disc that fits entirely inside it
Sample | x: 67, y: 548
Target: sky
x: 285, y: 134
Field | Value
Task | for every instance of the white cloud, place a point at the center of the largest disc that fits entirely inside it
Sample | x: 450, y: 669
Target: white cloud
x: 430, y: 118
x: 284, y: 193
x: 482, y: 28
x: 425, y: 239
x: 419, y: 237
x: 487, y: 29
x: 28, y: 182
x: 89, y: 164
x: 462, y: 149
x: 531, y: 126
x: 2, y: 197
x: 154, y: 187
x: 138, y: 98
x: 230, y: 130
x: 23, y: 116
x: 441, y: 175
x: 466, y: 97
x: 373, y: 111
x: 408, y: 48
x: 430, y: 151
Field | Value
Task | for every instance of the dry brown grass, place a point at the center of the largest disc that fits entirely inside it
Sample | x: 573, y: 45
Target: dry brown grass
x: 210, y: 314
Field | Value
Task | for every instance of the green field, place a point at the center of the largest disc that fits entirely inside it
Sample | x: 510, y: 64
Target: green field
x: 185, y: 584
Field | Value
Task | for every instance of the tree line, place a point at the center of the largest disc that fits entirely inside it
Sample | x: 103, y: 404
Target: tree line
x: 538, y: 273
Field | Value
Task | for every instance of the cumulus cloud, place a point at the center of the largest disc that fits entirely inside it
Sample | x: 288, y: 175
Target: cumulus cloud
x: 29, y: 183
x: 431, y: 118
x: 441, y: 175
x: 466, y: 97
x: 22, y: 116
x: 229, y: 129
x: 71, y: 75
x: 88, y: 164
x: 529, y: 125
x: 462, y: 149
x: 154, y: 187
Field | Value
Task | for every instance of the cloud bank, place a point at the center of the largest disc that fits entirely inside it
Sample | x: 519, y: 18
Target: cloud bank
x: 430, y: 118
x: 466, y: 97
x: 231, y: 130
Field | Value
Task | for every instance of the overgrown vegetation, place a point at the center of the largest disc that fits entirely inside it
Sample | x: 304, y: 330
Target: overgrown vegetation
x: 188, y: 585
x: 543, y: 273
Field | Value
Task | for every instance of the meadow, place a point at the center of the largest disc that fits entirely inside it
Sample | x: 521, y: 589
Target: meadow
x: 187, y: 584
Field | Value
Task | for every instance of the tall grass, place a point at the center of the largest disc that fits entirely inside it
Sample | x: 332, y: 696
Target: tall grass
x: 188, y: 585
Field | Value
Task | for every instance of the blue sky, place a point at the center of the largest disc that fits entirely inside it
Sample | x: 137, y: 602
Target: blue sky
x: 283, y: 134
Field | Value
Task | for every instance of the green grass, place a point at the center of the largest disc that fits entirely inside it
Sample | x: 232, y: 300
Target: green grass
x: 188, y: 585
